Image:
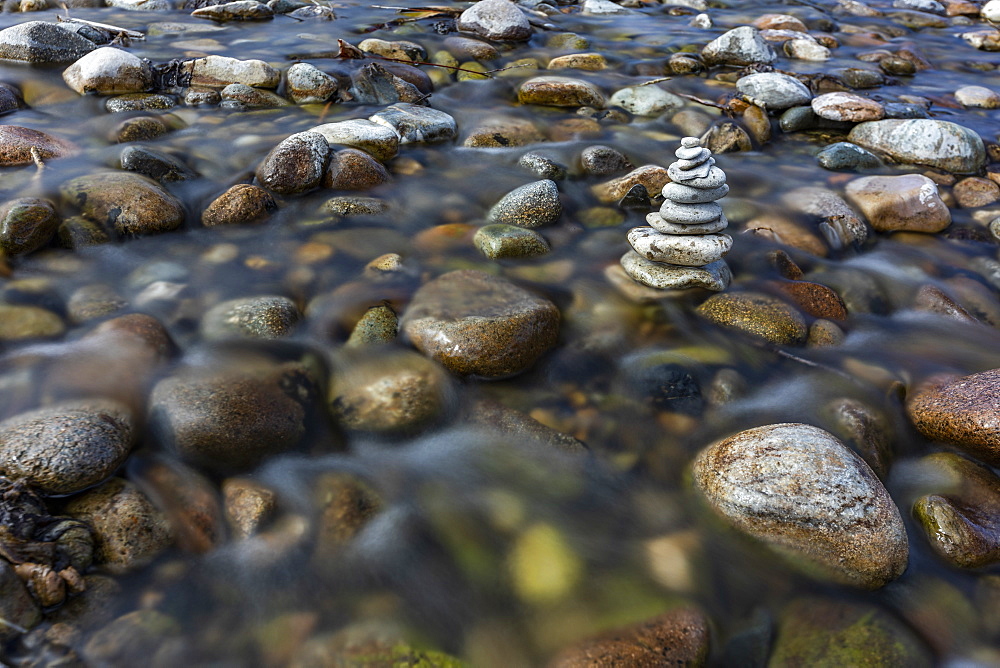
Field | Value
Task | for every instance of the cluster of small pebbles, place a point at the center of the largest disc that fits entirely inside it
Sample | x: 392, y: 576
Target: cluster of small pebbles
x: 318, y: 345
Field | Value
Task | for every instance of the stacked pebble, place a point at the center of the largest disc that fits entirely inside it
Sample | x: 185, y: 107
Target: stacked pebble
x: 683, y: 247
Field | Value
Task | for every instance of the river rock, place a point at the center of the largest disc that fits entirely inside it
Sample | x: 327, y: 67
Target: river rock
x: 18, y: 323
x: 961, y: 517
x: 909, y: 202
x: 848, y: 107
x: 68, y: 447
x: 109, y: 71
x: 739, y: 46
x: 604, y: 160
x: 241, y: 96
x: 374, y: 138
x: 960, y: 412
x: 560, y: 92
x: 379, y: 324
x: 295, y: 165
x: 263, y: 317
x: 542, y: 166
x: 509, y: 241
x: 227, y: 417
x: 839, y: 223
x: 308, y: 84
x: 142, y: 5
x: 499, y: 20
x: 978, y: 97
x: 220, y: 71
x: 829, y: 632
x: 416, y: 123
x: 930, y: 142
x: 806, y: 495
x: 646, y: 100
x: 243, y: 204
x: 531, y: 205
x: 661, y: 276
x: 129, y: 531
x: 16, y: 143
x: 806, y: 49
x: 351, y: 169
x: 689, y: 250
x: 26, y: 224
x: 984, y: 40
x: 773, y: 90
x: 17, y: 606
x: 677, y: 638
x: 389, y: 392
x: 975, y: 191
x: 650, y: 177
x: 991, y: 11
x: 482, y: 325
x: 779, y: 22
x: 503, y: 132
x: 758, y: 315
x: 241, y: 10
x: 131, y: 203
x: 844, y: 155
x: 42, y: 42
x: 155, y: 164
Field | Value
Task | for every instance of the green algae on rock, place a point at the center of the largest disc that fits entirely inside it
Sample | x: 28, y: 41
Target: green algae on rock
x: 830, y: 633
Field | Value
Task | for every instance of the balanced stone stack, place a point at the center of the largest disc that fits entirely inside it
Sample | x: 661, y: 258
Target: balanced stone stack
x: 683, y: 247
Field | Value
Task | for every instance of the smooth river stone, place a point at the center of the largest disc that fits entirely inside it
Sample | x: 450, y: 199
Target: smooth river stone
x: 806, y: 495
x: 690, y: 213
x: 924, y: 141
x: 656, y: 221
x: 715, y: 276
x: 713, y: 179
x: 694, y: 154
x: 961, y: 412
x: 689, y: 251
x: 689, y: 165
x: 684, y: 194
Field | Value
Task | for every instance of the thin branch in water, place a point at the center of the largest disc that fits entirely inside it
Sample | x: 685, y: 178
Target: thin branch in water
x: 36, y: 157
x: 131, y: 34
x: 707, y: 103
x: 653, y: 81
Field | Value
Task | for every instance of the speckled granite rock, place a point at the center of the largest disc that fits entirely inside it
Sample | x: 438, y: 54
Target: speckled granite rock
x: 961, y: 412
x: 807, y: 496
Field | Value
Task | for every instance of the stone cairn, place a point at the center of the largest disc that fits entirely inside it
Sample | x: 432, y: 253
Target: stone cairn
x: 683, y: 247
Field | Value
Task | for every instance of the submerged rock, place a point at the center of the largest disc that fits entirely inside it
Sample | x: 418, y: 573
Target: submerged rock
x: 740, y: 46
x: 481, y: 325
x: 962, y: 518
x: 509, y: 241
x: 679, y: 637
x: 243, y: 204
x: 131, y: 203
x: 263, y: 317
x: 26, y: 224
x: 389, y: 392
x: 807, y: 496
x: 560, y: 92
x: 758, y: 315
x: 65, y: 448
x: 909, y: 202
x: 16, y: 143
x: 826, y: 632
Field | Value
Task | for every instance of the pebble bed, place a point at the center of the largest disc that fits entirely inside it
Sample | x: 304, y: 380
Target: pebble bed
x: 318, y: 346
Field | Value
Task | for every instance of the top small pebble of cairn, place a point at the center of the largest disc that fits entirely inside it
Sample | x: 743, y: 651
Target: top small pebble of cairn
x: 682, y: 248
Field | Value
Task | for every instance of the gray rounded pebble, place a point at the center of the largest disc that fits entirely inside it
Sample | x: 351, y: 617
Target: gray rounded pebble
x: 260, y: 317
x: 509, y: 241
x: 531, y: 205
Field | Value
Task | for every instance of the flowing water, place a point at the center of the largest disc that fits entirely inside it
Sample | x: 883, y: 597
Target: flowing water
x: 468, y: 543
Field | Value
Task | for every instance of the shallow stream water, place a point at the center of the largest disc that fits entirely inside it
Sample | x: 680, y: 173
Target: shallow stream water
x: 466, y: 525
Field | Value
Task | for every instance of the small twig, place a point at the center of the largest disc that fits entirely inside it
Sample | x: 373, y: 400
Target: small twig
x: 699, y: 100
x: 654, y: 81
x: 16, y: 627
x: 326, y: 110
x: 36, y: 157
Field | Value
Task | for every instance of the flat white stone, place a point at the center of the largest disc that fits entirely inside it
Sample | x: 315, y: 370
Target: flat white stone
x: 685, y: 194
x: 656, y: 221
x: 692, y: 153
x: 692, y: 170
x: 690, y: 142
x: 689, y: 250
x: 715, y: 276
x: 713, y: 179
x: 690, y: 214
